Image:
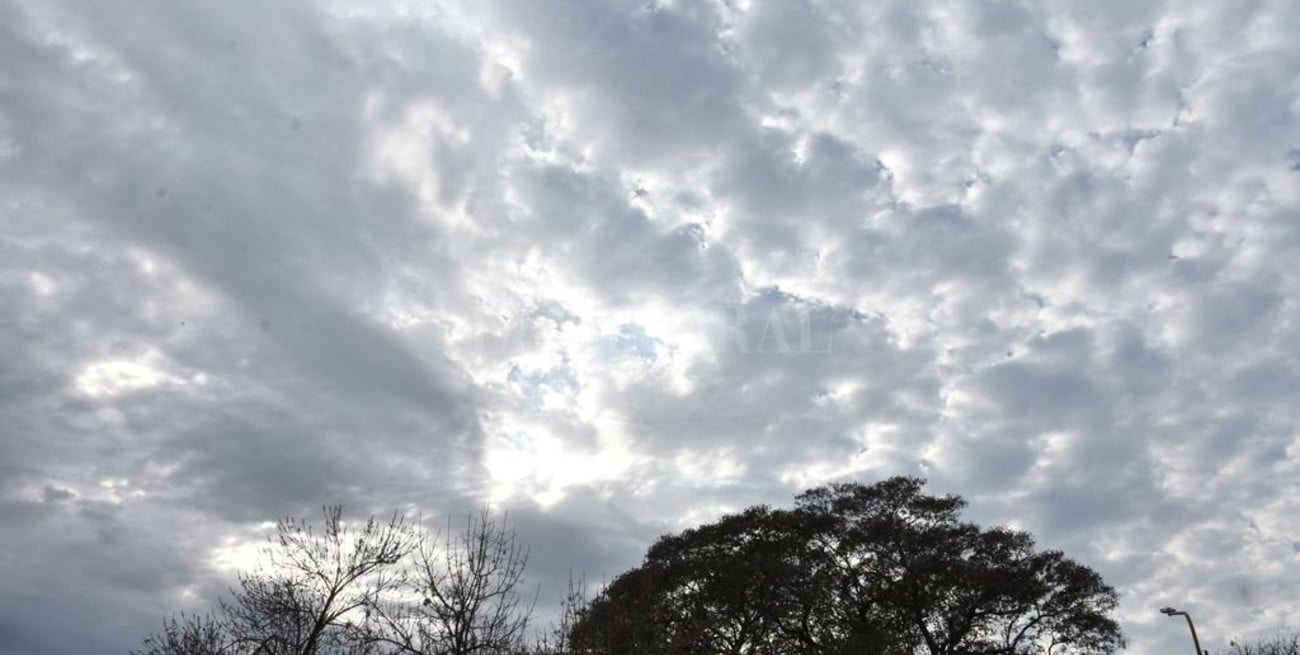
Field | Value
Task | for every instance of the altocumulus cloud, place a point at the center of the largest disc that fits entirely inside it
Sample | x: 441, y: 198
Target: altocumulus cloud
x: 622, y: 266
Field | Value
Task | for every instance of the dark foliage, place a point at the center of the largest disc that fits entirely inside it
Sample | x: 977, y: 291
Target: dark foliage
x: 853, y: 568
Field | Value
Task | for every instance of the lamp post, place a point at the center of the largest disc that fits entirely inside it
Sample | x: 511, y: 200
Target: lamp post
x: 1171, y: 612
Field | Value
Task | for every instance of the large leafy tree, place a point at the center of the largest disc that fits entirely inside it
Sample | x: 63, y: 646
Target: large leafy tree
x: 852, y: 568
x: 712, y: 589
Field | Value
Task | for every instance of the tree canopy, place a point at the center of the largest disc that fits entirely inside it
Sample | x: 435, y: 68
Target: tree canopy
x: 852, y: 568
x: 880, y: 569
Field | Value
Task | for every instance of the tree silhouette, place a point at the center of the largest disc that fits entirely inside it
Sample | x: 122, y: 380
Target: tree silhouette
x: 374, y: 588
x: 462, y: 595
x: 882, y: 568
x: 1284, y: 643
x: 189, y: 635
x: 319, y: 586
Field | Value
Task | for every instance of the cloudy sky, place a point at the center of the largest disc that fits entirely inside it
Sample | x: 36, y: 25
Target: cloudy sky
x: 620, y: 267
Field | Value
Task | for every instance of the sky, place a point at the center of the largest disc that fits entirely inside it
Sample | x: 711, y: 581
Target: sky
x: 621, y: 267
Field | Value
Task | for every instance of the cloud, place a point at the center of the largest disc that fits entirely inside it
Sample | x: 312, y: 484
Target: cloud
x: 620, y: 267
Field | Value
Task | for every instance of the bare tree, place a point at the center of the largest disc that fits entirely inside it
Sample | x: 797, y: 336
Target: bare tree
x: 192, y: 634
x: 555, y: 640
x: 274, y: 614
x: 1284, y: 643
x: 313, y: 598
x: 378, y: 588
x: 322, y: 580
x: 462, y: 594
x: 332, y: 575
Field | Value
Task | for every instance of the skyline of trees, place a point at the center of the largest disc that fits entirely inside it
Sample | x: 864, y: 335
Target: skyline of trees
x: 849, y: 568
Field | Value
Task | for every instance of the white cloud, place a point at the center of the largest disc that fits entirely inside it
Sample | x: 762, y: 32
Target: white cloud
x: 627, y: 265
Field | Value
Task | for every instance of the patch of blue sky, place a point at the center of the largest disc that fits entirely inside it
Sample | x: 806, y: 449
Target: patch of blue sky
x: 557, y: 313
x: 533, y: 383
x: 632, y: 341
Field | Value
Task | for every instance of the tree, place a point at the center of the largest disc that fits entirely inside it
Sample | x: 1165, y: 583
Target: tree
x: 320, y: 584
x: 1284, y: 643
x: 188, y: 635
x: 376, y: 588
x: 462, y: 595
x: 555, y: 639
x: 311, y: 598
x: 952, y: 587
x: 852, y: 568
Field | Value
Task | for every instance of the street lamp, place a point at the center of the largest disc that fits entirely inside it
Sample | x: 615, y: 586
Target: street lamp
x: 1171, y: 612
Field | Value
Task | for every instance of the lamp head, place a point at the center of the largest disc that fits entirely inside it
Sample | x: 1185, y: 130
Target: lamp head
x: 1168, y: 611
